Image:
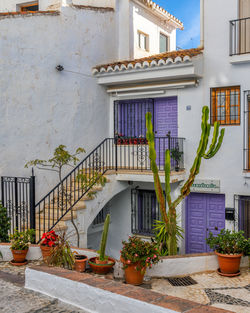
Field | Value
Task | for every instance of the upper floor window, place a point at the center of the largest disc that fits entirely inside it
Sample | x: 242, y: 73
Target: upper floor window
x: 225, y: 105
x: 164, y: 43
x: 31, y: 7
x: 143, y: 41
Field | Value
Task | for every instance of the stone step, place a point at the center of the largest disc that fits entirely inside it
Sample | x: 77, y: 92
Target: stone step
x: 49, y: 215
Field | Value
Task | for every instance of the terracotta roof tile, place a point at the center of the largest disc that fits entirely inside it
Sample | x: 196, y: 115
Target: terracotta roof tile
x: 158, y: 59
x: 12, y: 14
x: 154, y: 6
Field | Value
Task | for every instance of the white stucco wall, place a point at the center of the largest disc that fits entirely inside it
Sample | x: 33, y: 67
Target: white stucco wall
x: 120, y: 226
x: 40, y: 107
x: 146, y: 22
x: 12, y: 5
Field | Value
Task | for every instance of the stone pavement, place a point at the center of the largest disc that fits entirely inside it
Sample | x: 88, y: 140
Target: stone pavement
x: 228, y: 293
x: 15, y: 299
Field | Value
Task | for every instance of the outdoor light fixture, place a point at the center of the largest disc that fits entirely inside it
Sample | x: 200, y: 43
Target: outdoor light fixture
x: 59, y: 68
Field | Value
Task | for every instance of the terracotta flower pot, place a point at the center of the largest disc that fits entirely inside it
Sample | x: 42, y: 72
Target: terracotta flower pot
x: 133, y: 276
x: 80, y: 263
x: 229, y: 263
x: 46, y: 252
x: 101, y: 268
x: 19, y: 256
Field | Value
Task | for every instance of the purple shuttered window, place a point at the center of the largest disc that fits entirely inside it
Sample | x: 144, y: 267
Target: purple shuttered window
x: 130, y: 117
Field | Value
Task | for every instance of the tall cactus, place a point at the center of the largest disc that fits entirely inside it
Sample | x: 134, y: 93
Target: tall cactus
x: 170, y: 218
x: 104, y: 238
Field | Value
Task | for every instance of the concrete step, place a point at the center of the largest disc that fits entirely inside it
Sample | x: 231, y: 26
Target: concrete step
x: 49, y: 215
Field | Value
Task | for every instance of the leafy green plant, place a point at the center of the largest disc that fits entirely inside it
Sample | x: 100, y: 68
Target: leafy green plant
x: 87, y: 182
x: 161, y: 236
x: 1, y: 256
x: 21, y: 240
x: 103, y: 243
x: 228, y: 242
x: 176, y: 154
x: 61, y: 254
x: 136, y: 250
x: 202, y: 152
x: 4, y: 224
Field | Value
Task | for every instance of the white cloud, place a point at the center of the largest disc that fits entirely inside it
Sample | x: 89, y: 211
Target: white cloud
x: 191, y: 33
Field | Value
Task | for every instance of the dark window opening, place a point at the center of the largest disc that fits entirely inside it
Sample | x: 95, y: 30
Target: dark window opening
x: 29, y: 8
x: 244, y: 215
x: 145, y: 210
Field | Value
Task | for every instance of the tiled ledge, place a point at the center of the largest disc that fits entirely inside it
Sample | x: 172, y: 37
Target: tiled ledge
x: 4, y: 15
x: 113, y: 292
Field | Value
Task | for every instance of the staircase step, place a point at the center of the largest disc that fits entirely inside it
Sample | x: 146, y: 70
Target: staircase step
x: 50, y: 216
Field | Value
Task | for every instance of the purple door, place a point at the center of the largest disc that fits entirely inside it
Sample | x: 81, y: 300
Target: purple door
x: 165, y: 121
x: 204, y: 213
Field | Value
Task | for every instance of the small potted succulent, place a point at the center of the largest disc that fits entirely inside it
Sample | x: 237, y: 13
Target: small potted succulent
x: 20, y: 242
x: 136, y: 256
x: 48, y: 242
x: 229, y: 246
x: 102, y: 264
x: 176, y: 155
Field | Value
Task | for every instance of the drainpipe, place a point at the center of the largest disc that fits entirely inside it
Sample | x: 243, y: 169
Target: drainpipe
x: 201, y: 24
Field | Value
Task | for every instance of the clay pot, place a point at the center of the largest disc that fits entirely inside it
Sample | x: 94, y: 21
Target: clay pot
x: 132, y: 275
x: 46, y: 252
x: 101, y: 268
x: 80, y: 263
x: 229, y: 263
x: 19, y: 256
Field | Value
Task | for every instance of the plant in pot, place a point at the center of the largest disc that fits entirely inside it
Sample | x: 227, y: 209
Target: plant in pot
x: 102, y: 264
x: 229, y: 247
x: 80, y: 262
x: 20, y: 245
x: 176, y: 155
x: 136, y: 256
x: 48, y: 242
x: 61, y: 254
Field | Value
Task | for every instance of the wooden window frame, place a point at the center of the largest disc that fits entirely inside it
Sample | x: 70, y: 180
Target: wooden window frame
x: 22, y: 7
x: 147, y: 40
x: 168, y: 42
x: 214, y: 105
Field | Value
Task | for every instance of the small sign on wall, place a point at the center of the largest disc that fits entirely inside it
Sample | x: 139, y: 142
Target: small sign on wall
x: 206, y: 185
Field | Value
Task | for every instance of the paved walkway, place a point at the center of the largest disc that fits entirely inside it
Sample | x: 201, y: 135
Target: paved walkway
x: 231, y: 294
x: 15, y: 299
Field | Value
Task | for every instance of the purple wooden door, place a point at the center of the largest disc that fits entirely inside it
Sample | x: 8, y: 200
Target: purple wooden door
x: 165, y: 121
x: 204, y: 213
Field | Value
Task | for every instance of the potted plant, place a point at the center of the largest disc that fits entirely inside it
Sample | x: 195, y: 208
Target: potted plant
x: 176, y: 154
x: 229, y: 247
x: 61, y: 254
x: 136, y: 256
x: 20, y: 245
x: 80, y: 262
x: 48, y: 242
x: 102, y: 264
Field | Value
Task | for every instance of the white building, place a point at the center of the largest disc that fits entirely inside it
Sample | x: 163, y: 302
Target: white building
x: 42, y: 108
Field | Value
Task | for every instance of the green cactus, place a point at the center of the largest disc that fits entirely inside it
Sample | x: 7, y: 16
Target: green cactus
x: 170, y: 219
x: 104, y: 238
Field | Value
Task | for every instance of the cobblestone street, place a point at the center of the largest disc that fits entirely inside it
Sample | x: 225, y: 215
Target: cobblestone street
x: 15, y: 299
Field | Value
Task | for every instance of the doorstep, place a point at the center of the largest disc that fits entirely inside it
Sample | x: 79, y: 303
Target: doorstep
x: 97, y: 294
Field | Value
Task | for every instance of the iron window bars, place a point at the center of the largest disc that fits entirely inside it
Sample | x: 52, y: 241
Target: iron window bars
x: 239, y: 41
x: 144, y: 211
x: 225, y: 105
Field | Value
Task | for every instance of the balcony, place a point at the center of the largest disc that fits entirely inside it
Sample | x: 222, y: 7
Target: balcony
x: 240, y: 39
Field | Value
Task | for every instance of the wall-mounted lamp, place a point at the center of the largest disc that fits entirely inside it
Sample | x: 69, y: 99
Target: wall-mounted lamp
x: 59, y: 68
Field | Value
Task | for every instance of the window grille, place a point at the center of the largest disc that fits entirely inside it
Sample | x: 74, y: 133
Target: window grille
x: 225, y: 105
x: 145, y: 210
x: 242, y: 207
x: 100, y: 218
x: 130, y: 121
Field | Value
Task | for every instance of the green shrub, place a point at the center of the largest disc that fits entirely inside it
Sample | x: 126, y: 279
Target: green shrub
x: 21, y: 240
x: 227, y: 242
x: 4, y: 224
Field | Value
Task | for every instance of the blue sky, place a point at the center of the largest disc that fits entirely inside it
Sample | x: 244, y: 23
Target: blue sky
x: 188, y: 11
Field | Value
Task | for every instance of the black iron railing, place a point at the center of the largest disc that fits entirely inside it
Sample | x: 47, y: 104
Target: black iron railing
x: 18, y: 196
x: 110, y: 154
x: 239, y: 36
